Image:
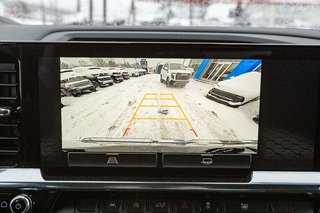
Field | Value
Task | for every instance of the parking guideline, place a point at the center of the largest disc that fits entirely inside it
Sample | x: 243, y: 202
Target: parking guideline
x: 172, y: 98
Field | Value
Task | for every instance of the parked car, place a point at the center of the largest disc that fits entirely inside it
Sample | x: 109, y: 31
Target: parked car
x: 97, y: 75
x: 238, y: 90
x: 175, y: 74
x: 142, y: 72
x: 117, y: 76
x: 125, y: 75
x: 102, y: 80
x: 133, y: 72
x: 72, y: 84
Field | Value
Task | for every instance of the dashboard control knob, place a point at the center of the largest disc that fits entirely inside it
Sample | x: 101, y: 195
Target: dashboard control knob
x: 20, y: 204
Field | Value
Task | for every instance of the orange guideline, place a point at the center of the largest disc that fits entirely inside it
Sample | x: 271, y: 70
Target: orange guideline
x: 159, y: 97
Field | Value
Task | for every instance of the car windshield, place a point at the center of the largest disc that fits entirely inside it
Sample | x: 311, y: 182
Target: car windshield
x: 212, y: 13
x: 175, y: 66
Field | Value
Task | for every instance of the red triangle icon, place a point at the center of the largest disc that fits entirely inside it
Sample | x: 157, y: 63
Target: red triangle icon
x: 184, y: 205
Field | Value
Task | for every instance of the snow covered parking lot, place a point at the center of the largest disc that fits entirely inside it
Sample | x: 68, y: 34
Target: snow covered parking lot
x: 142, y: 109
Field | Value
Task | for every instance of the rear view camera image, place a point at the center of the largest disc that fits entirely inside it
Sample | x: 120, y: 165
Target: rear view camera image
x: 160, y: 105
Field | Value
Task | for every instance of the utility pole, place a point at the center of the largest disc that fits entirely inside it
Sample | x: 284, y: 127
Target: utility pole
x: 78, y: 6
x: 104, y: 12
x: 43, y: 9
x: 133, y: 12
x: 90, y: 11
x: 190, y: 13
x: 55, y: 10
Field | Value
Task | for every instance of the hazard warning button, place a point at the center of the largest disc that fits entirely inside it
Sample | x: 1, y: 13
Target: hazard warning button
x: 184, y: 206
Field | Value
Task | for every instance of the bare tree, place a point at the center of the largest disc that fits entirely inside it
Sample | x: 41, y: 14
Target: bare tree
x: 112, y: 63
x: 99, y: 62
x: 64, y: 65
x: 83, y: 63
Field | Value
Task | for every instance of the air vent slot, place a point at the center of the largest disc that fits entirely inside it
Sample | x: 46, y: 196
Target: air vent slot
x: 9, y: 113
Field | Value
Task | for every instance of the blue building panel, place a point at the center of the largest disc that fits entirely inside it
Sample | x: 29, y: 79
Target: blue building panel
x: 245, y: 65
x: 201, y: 68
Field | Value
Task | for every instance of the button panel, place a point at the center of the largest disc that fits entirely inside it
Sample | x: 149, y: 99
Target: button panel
x: 189, y: 202
x: 155, y: 202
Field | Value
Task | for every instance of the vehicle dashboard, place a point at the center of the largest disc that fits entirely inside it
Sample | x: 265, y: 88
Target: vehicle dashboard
x: 42, y: 173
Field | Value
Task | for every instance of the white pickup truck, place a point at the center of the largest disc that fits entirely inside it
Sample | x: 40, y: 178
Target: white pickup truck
x: 175, y: 74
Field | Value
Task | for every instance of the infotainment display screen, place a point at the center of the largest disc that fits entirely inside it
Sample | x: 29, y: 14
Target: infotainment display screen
x: 160, y: 105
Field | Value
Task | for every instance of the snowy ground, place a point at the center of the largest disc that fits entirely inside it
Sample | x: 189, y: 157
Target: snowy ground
x: 106, y: 114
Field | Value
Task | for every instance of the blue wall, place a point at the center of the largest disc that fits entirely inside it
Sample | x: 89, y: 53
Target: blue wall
x: 245, y: 65
x: 201, y: 68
